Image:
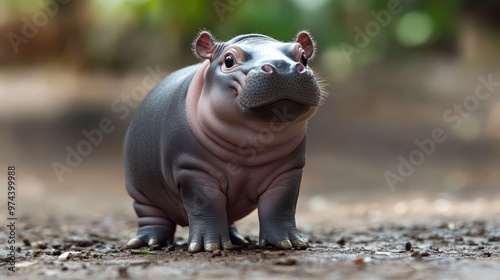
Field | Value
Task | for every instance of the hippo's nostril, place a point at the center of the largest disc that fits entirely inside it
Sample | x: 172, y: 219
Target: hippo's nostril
x: 300, y: 68
x: 267, y: 68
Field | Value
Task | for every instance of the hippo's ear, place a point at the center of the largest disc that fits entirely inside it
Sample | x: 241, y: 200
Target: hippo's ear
x: 307, y: 42
x: 205, y: 45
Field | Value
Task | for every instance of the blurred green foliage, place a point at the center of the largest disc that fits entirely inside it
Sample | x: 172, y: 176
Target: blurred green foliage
x: 131, y: 33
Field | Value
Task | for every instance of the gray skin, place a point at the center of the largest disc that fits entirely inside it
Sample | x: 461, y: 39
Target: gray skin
x: 216, y: 140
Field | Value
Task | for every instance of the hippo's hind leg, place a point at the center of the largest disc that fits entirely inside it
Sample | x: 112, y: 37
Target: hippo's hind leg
x: 155, y: 228
x: 277, y: 212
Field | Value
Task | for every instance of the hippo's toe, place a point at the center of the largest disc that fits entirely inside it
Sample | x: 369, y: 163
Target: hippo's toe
x: 195, y: 247
x: 135, y: 243
x: 152, y: 235
x: 285, y: 244
x: 209, y: 239
x: 210, y: 247
x: 294, y: 240
x: 300, y: 243
x: 236, y: 237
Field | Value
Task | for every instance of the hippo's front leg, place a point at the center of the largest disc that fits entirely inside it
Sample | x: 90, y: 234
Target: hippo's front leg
x: 277, y: 212
x: 205, y: 205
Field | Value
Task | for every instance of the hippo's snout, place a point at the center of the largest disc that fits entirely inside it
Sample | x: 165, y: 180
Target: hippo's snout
x: 269, y: 68
x: 269, y: 83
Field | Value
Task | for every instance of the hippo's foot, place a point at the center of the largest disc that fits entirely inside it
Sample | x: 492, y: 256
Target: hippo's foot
x: 277, y: 213
x: 282, y: 238
x: 208, y: 235
x: 235, y: 236
x: 211, y: 245
x: 152, y: 235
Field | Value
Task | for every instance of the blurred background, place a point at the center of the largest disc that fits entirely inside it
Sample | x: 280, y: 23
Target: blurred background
x: 396, y: 71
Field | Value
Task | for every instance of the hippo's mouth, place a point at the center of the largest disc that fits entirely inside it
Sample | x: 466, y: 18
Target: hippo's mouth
x: 282, y: 111
x: 264, y: 89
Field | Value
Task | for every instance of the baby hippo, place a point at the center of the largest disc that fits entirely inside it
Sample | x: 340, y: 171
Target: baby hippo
x: 216, y: 140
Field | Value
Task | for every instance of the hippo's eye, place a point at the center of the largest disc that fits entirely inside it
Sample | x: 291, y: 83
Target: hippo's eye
x: 303, y: 59
x: 229, y: 61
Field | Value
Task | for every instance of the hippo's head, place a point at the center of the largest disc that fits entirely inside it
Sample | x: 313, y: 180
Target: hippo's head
x: 260, y: 77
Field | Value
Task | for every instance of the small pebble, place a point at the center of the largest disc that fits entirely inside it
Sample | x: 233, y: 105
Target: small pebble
x: 408, y: 246
x: 288, y: 261
x: 40, y: 245
x: 419, y: 255
x: 341, y: 242
x: 170, y: 248
x: 37, y: 253
x: 216, y: 253
x: 69, y: 255
x: 494, y: 238
x: 155, y: 247
x: 26, y: 242
x: 362, y: 260
x: 122, y: 272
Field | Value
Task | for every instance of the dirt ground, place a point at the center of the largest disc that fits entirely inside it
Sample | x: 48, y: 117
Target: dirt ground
x: 389, y: 240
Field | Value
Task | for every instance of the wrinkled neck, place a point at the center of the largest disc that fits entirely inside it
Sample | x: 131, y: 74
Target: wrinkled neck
x: 226, y: 132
